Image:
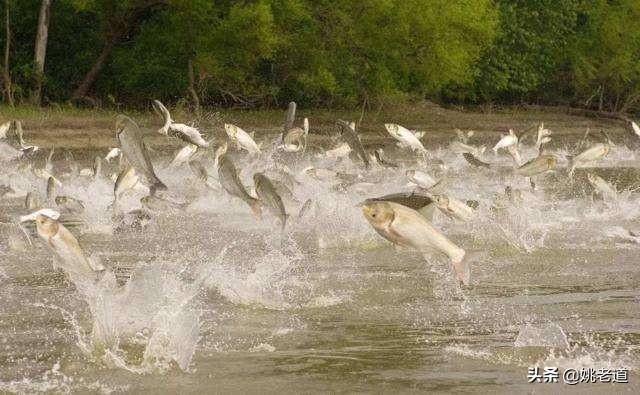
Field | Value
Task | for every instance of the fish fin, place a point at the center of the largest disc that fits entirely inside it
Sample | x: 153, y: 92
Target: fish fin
x: 428, y: 211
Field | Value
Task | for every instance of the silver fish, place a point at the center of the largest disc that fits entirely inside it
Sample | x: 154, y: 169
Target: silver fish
x: 72, y: 258
x: 228, y: 177
x: 406, y: 227
x: 593, y: 153
x: 51, y: 189
x: 269, y: 197
x: 69, y: 203
x: 135, y: 150
x: 350, y: 137
x: 539, y: 165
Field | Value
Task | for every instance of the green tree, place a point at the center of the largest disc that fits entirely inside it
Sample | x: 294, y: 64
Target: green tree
x: 530, y: 50
x: 606, y: 58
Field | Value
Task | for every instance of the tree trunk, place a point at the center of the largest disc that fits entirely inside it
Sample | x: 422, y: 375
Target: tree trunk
x: 192, y: 86
x: 8, y: 93
x: 91, y: 76
x: 40, y: 50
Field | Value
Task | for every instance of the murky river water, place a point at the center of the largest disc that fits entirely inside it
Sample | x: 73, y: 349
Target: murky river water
x: 210, y: 300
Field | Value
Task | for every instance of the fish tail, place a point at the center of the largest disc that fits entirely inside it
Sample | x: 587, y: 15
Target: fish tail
x: 256, y: 207
x: 462, y: 268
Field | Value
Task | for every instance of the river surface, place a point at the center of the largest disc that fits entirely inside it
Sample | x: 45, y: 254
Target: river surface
x: 209, y: 300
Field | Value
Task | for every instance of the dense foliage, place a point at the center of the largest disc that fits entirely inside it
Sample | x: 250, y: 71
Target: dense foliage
x: 330, y: 53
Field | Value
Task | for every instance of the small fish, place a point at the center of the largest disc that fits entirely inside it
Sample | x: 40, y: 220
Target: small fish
x: 157, y: 204
x: 228, y: 177
x: 454, y: 208
x: 405, y: 137
x: 4, y: 128
x: 183, y: 155
x: 340, y: 151
x: 295, y: 139
x: 406, y: 227
x: 460, y: 148
x: 113, y: 153
x: 506, y: 141
x: 593, y: 153
x: 97, y: 167
x: 289, y: 119
x: 199, y: 170
x: 186, y: 133
x: 51, y: 189
x: 32, y: 201
x: 270, y: 198
x: 350, y: 137
x: 378, y: 155
x: 242, y: 138
x: 136, y: 152
x: 421, y: 179
x: 24, y: 147
x: 127, y: 180
x: 72, y: 258
x: 606, y: 190
x: 514, y: 153
x: 320, y: 173
x: 539, y: 165
x: 473, y: 161
x: 635, y: 128
x: 70, y: 204
x: 543, y: 136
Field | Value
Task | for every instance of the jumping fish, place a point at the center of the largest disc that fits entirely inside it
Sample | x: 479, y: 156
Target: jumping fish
x: 382, y: 161
x: 635, y: 128
x: 539, y: 165
x: 543, y: 136
x: 4, y: 128
x: 406, y: 227
x: 454, y: 208
x: 295, y: 138
x: 183, y: 155
x: 422, y: 179
x: 242, y: 138
x: 69, y: 203
x: 32, y: 201
x: 405, y: 137
x: 113, y: 153
x: 72, y: 258
x: 135, y: 150
x: 51, y: 189
x: 340, y: 151
x: 506, y: 141
x: 228, y: 177
x: 473, y: 161
x: 127, y: 179
x: 270, y: 198
x: 606, y: 190
x: 349, y: 135
x: 593, y: 153
x: 181, y: 131
x: 460, y: 148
